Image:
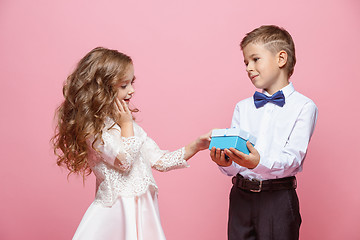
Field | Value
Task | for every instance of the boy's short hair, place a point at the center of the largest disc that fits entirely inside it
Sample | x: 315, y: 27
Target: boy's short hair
x: 275, y: 39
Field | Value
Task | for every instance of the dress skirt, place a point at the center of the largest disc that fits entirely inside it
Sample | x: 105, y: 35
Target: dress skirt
x: 130, y: 218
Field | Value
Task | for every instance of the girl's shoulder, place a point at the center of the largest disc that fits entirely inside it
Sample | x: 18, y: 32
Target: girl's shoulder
x: 110, y: 124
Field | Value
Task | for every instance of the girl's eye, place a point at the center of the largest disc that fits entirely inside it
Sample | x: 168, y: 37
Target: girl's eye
x: 123, y: 86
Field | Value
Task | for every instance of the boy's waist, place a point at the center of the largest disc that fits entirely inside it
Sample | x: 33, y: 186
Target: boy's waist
x: 264, y: 185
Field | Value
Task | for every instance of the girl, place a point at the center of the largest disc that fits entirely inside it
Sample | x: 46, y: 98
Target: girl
x: 96, y: 133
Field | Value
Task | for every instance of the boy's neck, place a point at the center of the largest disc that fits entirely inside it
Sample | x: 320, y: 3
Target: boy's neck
x: 277, y: 86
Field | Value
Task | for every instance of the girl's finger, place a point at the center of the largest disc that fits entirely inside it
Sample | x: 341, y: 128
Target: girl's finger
x: 117, y: 104
x: 125, y: 106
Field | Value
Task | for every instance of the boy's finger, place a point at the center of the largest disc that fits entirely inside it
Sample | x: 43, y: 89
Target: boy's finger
x: 231, y: 155
x: 250, y: 147
x: 237, y: 153
x: 215, y: 157
x: 222, y: 157
x: 212, y: 153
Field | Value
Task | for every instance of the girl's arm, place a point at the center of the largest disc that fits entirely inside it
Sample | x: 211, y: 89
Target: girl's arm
x: 197, y: 145
x: 117, y: 151
x: 164, y: 160
x: 120, y: 147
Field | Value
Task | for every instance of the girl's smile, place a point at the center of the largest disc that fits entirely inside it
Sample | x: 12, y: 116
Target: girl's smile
x: 125, y: 87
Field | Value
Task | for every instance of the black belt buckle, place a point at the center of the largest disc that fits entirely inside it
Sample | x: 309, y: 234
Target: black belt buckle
x: 259, y: 189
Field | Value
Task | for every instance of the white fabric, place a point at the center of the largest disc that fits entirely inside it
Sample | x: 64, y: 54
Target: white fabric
x: 129, y: 218
x: 283, y: 134
x: 125, y: 205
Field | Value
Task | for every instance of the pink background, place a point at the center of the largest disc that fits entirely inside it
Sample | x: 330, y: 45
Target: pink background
x: 190, y: 75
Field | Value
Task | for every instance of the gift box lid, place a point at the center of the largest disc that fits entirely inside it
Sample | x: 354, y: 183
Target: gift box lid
x: 234, y: 132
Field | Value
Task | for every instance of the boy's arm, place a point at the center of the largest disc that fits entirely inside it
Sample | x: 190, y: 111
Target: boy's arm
x: 290, y: 158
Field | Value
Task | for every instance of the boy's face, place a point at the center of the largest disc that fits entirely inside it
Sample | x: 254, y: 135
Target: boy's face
x: 263, y: 68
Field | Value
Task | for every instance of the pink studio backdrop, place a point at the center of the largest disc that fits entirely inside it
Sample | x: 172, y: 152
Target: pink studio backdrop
x: 190, y: 75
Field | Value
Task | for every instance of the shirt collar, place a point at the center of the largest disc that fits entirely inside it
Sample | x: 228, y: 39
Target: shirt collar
x: 287, y: 90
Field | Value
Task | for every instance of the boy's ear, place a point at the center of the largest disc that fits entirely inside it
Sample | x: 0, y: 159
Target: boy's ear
x: 282, y: 58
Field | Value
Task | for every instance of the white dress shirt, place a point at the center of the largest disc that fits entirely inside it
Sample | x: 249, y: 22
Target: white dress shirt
x: 283, y: 134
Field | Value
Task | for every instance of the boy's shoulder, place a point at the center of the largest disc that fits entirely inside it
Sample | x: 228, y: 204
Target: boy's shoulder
x: 246, y: 102
x: 297, y: 98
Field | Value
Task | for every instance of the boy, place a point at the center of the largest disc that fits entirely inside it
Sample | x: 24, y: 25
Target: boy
x: 263, y: 200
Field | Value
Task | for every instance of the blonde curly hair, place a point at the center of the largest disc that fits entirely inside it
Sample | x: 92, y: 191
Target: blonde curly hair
x: 90, y: 93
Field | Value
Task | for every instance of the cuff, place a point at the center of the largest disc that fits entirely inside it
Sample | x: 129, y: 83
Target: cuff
x: 231, y: 170
x: 263, y: 166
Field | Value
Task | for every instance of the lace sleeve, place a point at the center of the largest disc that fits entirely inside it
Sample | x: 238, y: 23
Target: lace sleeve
x: 162, y: 160
x: 118, y: 151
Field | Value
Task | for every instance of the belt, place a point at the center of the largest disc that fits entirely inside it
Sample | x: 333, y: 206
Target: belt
x: 264, y: 185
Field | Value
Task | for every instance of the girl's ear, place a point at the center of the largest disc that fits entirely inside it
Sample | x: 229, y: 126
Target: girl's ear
x: 282, y: 58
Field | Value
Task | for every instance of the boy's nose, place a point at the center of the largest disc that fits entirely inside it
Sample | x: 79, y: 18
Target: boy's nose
x: 249, y: 68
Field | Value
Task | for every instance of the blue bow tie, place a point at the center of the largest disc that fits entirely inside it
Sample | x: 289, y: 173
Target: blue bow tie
x: 261, y: 99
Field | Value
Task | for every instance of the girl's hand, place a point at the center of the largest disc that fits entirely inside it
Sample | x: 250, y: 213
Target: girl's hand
x: 124, y: 113
x: 199, y: 144
x: 124, y: 118
x: 203, y: 141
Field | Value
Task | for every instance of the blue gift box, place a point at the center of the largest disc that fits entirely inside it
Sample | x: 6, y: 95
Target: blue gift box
x: 231, y: 137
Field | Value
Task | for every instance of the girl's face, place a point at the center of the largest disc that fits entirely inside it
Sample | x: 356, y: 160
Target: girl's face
x: 125, y: 87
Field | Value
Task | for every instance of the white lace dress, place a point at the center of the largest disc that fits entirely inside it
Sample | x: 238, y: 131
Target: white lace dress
x: 126, y: 206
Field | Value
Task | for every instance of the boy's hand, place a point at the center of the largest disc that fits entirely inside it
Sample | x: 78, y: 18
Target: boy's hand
x: 249, y: 161
x: 218, y: 157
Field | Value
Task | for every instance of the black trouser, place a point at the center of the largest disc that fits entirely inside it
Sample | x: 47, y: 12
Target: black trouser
x: 267, y: 215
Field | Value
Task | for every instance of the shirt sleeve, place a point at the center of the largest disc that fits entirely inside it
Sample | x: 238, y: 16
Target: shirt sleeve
x: 288, y: 161
x: 163, y: 160
x: 231, y: 170
x: 118, y: 151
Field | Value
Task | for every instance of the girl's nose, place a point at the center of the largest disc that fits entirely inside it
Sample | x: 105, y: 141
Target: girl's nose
x: 131, y: 90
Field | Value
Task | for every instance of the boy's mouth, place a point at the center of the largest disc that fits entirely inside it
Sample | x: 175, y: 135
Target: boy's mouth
x: 253, y: 77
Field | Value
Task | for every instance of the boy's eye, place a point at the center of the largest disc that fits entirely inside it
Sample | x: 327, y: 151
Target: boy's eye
x: 255, y: 59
